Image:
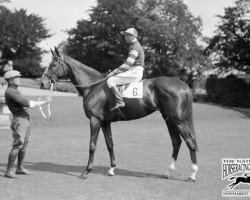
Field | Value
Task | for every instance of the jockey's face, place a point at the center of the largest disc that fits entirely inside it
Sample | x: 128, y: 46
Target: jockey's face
x: 129, y: 38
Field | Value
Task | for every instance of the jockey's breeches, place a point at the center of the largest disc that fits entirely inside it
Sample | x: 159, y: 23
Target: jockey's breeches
x: 134, y: 74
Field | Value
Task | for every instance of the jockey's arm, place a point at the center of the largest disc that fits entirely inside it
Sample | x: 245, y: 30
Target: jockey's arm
x: 125, y: 66
x: 34, y: 104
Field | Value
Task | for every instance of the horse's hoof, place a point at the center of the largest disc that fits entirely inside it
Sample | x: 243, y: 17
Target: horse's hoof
x: 167, y: 176
x: 110, y: 173
x: 190, y: 179
x: 83, y: 176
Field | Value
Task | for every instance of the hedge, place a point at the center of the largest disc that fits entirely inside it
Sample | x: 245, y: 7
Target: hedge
x: 229, y: 91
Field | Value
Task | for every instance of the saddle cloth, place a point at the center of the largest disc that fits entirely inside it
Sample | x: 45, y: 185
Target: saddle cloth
x: 132, y: 90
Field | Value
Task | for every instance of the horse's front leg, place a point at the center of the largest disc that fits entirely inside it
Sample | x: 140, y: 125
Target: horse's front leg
x: 106, y: 128
x: 94, y: 132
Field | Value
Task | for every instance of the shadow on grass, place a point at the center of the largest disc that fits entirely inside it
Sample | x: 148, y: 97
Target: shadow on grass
x: 72, y: 170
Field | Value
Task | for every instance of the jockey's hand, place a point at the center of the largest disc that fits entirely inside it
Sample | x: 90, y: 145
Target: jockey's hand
x: 112, y: 73
x: 123, y: 68
x: 109, y: 75
x: 48, y: 100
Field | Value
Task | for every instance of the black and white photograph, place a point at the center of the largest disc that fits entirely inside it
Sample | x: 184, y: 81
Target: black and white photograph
x: 124, y: 99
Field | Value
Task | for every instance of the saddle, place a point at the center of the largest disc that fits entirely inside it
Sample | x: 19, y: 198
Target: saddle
x: 132, y: 90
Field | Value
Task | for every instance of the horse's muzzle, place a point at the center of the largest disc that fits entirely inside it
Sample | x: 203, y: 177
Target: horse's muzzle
x: 45, y: 83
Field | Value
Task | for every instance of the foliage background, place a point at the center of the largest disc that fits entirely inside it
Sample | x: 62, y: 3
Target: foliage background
x: 230, y: 46
x: 19, y: 38
x: 167, y: 31
x: 229, y: 91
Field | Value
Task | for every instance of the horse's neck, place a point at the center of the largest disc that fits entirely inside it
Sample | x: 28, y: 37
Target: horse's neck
x: 81, y: 74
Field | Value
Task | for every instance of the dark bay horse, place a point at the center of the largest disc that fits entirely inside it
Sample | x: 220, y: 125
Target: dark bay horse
x: 170, y: 96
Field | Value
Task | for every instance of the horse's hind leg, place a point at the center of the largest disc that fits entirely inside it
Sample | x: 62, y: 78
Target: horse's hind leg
x: 231, y: 186
x: 106, y: 128
x: 187, y: 133
x: 176, y: 142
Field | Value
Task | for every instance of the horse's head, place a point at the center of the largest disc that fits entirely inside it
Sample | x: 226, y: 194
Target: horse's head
x: 56, y: 70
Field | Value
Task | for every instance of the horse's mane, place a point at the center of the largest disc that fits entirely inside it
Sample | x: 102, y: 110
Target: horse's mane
x: 83, y: 66
x: 88, y: 70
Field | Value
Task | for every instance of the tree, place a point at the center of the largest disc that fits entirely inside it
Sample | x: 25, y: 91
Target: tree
x: 3, y: 7
x: 231, y: 45
x: 19, y: 38
x: 4, y: 1
x: 167, y: 31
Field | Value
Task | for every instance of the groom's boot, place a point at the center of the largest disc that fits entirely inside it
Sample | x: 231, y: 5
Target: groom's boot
x: 10, y: 166
x: 20, y: 169
x: 118, y: 98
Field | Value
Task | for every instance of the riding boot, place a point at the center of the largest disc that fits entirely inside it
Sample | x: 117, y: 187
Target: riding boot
x: 10, y: 166
x: 20, y: 169
x: 118, y: 98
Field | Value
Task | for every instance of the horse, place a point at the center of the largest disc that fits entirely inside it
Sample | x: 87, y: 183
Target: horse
x: 244, y: 179
x: 169, y: 95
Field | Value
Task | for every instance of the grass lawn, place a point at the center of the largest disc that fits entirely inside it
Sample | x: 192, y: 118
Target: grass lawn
x: 58, y: 153
x: 32, y: 83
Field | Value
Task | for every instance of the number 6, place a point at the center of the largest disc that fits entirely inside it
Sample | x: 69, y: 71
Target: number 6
x: 135, y: 92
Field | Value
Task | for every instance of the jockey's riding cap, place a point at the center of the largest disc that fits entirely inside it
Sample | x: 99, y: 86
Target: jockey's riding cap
x: 11, y: 74
x: 130, y: 31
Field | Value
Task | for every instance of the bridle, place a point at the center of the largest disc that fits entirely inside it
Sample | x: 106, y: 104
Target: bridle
x: 52, y: 79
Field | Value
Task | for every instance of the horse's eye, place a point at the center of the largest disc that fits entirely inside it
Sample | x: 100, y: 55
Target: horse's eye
x: 54, y: 64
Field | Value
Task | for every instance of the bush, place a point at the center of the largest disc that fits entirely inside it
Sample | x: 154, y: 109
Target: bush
x: 28, y: 67
x: 229, y: 91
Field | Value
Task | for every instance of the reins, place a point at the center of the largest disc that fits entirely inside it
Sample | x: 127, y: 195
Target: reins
x: 95, y: 83
x: 40, y: 107
x: 82, y: 86
x: 53, y: 78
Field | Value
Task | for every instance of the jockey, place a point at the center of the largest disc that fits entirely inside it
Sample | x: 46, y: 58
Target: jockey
x: 130, y: 71
x: 20, y: 123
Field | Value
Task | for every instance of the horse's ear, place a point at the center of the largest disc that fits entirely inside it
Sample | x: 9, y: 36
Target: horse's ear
x: 58, y: 53
x: 53, y: 53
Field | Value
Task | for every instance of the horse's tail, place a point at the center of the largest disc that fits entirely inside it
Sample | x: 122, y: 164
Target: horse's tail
x: 187, y: 108
x: 231, y: 178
